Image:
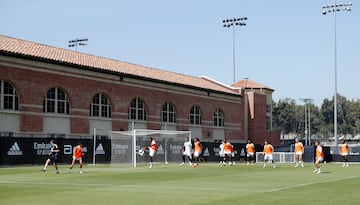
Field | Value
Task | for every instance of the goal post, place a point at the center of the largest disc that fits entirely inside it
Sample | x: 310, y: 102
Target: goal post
x: 125, y: 145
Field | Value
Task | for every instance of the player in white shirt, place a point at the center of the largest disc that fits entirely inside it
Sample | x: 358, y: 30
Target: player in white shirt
x: 221, y: 152
x: 186, y: 151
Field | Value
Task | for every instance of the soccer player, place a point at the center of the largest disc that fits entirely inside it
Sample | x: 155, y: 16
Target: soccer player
x: 152, y: 150
x: 344, y: 152
x: 250, y: 152
x: 53, y: 157
x: 227, y: 152
x: 221, y: 152
x: 197, y: 152
x: 268, y: 154
x: 77, y: 156
x: 319, y: 157
x: 186, y: 152
x: 299, y: 151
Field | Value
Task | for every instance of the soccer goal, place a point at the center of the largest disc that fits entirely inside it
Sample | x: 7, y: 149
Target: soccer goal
x: 279, y: 157
x: 125, y: 146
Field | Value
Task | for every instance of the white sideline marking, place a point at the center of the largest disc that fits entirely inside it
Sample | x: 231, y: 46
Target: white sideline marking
x: 148, y: 187
x: 311, y: 183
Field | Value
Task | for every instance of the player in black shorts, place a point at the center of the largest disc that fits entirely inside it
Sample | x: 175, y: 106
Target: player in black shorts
x: 53, y: 157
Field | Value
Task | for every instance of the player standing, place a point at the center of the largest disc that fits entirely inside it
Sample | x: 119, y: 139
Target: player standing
x: 77, y: 156
x: 299, y: 151
x: 344, y: 152
x: 186, y: 152
x: 268, y: 154
x: 197, y: 152
x: 250, y: 152
x: 319, y: 157
x: 221, y: 152
x: 152, y: 150
x: 53, y: 156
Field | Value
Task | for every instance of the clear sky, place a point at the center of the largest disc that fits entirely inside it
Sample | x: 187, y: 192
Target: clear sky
x: 287, y: 45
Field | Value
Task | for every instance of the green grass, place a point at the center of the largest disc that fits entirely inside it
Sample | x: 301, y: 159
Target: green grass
x: 174, y: 184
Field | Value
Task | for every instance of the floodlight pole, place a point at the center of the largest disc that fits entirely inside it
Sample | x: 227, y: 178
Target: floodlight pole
x: 334, y: 8
x: 307, y: 126
x: 232, y: 23
x: 77, y: 42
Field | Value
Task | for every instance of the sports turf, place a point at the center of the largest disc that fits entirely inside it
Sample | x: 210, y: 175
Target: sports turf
x: 173, y: 184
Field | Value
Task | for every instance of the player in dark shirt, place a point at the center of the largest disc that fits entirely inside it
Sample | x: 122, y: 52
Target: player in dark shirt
x: 53, y: 157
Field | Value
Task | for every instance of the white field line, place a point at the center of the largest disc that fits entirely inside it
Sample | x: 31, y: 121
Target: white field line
x: 310, y: 183
x: 149, y: 187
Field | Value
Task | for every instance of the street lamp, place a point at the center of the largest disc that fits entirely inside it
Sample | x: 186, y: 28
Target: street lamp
x: 77, y: 42
x: 334, y: 8
x: 227, y: 23
x: 307, y: 126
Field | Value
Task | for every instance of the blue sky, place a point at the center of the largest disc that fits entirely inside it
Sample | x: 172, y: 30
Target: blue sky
x: 287, y: 45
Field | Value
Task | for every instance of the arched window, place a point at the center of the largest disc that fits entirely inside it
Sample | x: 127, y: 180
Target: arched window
x: 100, y: 106
x: 219, y: 118
x: 9, y: 99
x: 137, y: 110
x: 56, y: 101
x: 195, y: 115
x: 168, y: 113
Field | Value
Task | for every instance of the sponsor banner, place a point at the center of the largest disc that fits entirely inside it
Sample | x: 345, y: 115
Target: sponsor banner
x: 19, y: 150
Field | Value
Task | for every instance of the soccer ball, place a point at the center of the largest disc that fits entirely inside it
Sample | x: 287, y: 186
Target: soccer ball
x: 141, y: 152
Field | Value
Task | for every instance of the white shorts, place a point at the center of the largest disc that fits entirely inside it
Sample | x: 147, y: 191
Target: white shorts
x: 196, y: 154
x: 344, y: 154
x: 227, y: 152
x: 320, y: 159
x: 151, y: 152
x: 299, y: 153
x: 250, y: 154
x: 187, y: 153
x: 268, y: 157
x: 221, y: 154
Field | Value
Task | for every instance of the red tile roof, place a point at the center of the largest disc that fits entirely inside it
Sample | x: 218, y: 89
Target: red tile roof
x: 36, y: 50
x: 249, y: 84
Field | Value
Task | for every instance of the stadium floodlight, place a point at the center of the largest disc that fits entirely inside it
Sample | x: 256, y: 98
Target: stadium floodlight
x: 334, y: 8
x: 227, y: 23
x: 77, y: 42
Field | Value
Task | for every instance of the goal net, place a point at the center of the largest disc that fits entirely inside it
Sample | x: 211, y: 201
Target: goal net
x: 125, y: 146
x: 279, y: 157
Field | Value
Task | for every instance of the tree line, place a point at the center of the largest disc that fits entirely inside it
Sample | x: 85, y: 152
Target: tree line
x: 290, y: 117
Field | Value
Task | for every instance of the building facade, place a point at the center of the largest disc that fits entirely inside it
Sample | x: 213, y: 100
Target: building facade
x: 51, y: 91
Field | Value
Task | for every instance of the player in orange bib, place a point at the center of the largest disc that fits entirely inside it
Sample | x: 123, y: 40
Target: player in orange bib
x: 268, y: 154
x: 228, y: 147
x: 299, y: 151
x: 250, y: 152
x: 319, y: 157
x: 197, y: 152
x: 77, y: 156
x: 152, y: 150
x: 344, y: 152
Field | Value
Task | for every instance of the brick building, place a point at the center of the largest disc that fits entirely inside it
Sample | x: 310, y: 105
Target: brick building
x: 53, y: 91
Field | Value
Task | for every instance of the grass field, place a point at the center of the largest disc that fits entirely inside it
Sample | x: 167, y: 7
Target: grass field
x: 173, y: 184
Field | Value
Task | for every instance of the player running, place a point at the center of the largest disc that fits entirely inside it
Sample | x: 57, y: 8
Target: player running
x: 53, y: 156
x: 344, y: 152
x: 250, y: 152
x: 197, y: 152
x: 268, y: 154
x: 186, y: 151
x: 319, y: 157
x: 227, y: 152
x: 77, y: 156
x: 299, y: 151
